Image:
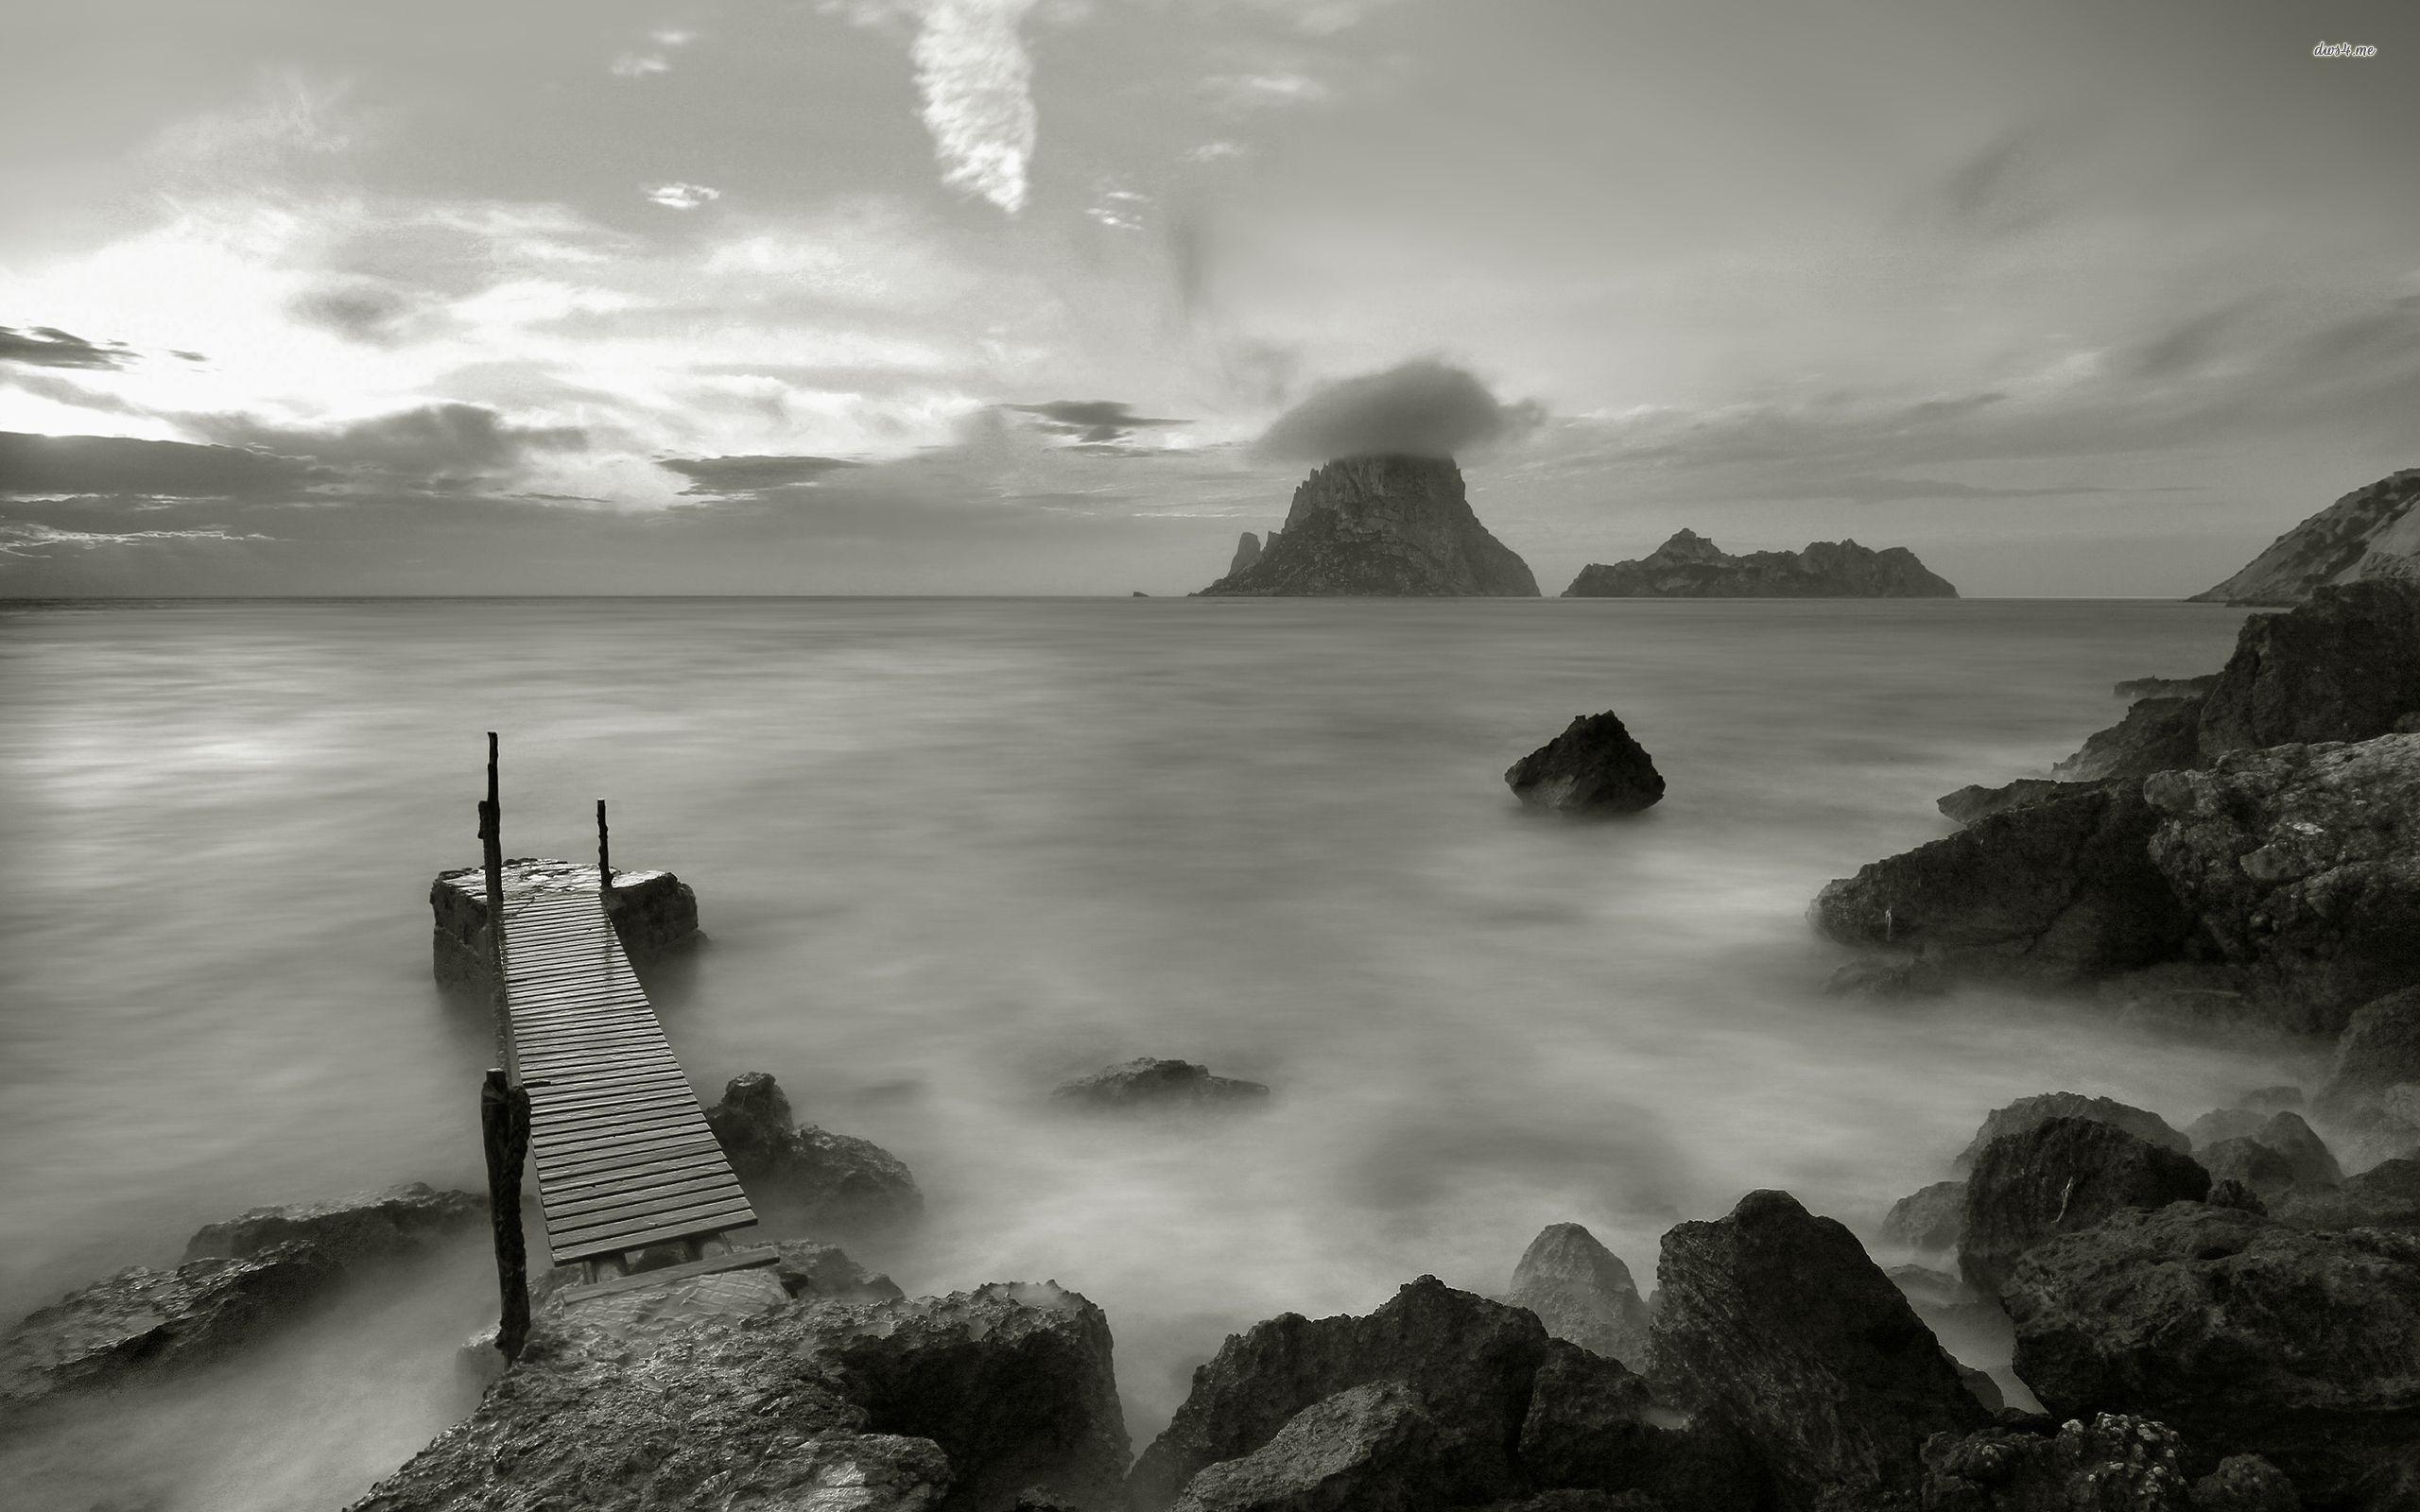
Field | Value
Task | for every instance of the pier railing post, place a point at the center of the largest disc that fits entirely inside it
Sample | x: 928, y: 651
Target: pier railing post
x: 604, y: 857
x: 504, y: 1130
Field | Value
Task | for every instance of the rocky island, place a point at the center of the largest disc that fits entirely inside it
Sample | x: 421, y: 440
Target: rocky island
x: 1379, y: 526
x: 1690, y: 566
x: 2371, y: 532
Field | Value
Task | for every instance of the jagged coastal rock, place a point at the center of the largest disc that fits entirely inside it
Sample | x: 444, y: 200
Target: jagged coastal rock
x: 240, y: 1279
x: 655, y: 913
x: 2058, y: 1177
x: 825, y: 1177
x: 1690, y: 566
x: 1246, y: 552
x: 1582, y: 1293
x: 1593, y: 767
x: 1389, y: 526
x: 2371, y: 533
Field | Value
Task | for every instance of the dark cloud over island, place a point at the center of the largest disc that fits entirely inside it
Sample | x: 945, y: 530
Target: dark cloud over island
x: 1423, y: 407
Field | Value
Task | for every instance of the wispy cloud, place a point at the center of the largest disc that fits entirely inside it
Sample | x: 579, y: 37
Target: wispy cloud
x: 45, y: 346
x: 682, y: 196
x: 976, y: 81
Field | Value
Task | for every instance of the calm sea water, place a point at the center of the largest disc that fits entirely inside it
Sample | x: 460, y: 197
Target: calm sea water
x: 953, y: 852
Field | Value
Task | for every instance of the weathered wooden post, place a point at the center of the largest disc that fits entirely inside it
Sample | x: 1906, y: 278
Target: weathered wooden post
x: 504, y: 1128
x: 491, y: 857
x: 604, y: 857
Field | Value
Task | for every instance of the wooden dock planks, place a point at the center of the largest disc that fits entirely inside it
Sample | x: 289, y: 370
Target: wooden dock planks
x: 623, y: 1156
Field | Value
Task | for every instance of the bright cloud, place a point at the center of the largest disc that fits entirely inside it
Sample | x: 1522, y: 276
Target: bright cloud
x: 976, y: 81
x: 682, y: 196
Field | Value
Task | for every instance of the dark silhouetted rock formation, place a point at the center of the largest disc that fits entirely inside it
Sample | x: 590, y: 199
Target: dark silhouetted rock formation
x: 953, y: 1404
x: 2056, y: 1177
x: 2033, y: 1112
x: 1927, y: 1218
x: 2377, y: 1054
x: 1582, y: 1293
x: 823, y: 1176
x: 1151, y: 1083
x: 2134, y: 688
x: 2109, y: 1464
x: 2344, y: 665
x: 2156, y: 735
x: 2245, y: 1335
x: 1386, y: 527
x: 1246, y: 552
x: 1774, y: 1322
x: 1690, y: 566
x: 1975, y: 801
x: 2371, y: 533
x: 1593, y: 767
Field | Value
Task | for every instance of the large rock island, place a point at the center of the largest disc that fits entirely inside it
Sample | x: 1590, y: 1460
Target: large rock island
x: 2370, y: 533
x: 1386, y: 527
x: 1690, y: 566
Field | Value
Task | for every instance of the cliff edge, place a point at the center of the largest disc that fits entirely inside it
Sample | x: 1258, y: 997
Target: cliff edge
x: 2372, y: 532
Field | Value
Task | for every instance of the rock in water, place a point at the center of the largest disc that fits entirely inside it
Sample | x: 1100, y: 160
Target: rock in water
x: 1246, y: 552
x: 2156, y: 735
x: 2345, y: 665
x: 2373, y: 532
x: 1365, y: 1447
x: 2038, y: 1110
x: 1774, y: 1322
x: 2056, y: 1177
x: 2301, y: 863
x: 1469, y: 1361
x: 1976, y: 801
x: 1582, y: 1293
x: 2379, y: 1051
x: 1149, y: 1082
x: 374, y: 1226
x: 1593, y: 767
x: 831, y: 1178
x: 1690, y: 566
x: 655, y: 913
x: 2052, y: 892
x: 2245, y: 1334
x: 2387, y: 1195
x: 1928, y: 1218
x: 1389, y: 526
x: 952, y: 1404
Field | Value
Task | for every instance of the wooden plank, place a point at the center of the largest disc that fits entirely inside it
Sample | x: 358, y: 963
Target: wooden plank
x: 593, y: 1037
x: 748, y: 1259
x: 574, y: 1083
x: 619, y: 1244
x: 614, y: 1232
x: 668, y: 1190
x: 691, y: 1160
x: 639, y: 1121
x: 576, y: 1068
x: 657, y: 1108
x: 581, y: 1164
x: 599, y: 1143
x: 559, y: 1096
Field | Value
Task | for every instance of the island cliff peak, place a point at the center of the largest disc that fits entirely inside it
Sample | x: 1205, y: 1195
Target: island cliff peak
x: 1377, y: 526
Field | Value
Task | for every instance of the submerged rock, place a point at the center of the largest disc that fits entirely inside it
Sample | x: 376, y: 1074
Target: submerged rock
x: 1690, y: 566
x: 1774, y: 1322
x: 1381, y: 526
x: 2245, y: 1334
x: 2108, y: 1464
x: 2301, y: 863
x: 2373, y: 532
x: 1593, y: 767
x: 1469, y: 1363
x: 1582, y: 1293
x: 830, y: 1177
x: 2032, y: 1112
x: 2059, y: 1176
x: 367, y: 1226
x: 2248, y: 1164
x: 2053, y: 892
x: 1154, y: 1083
x: 943, y: 1404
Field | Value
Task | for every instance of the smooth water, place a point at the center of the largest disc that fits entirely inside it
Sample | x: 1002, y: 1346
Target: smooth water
x: 953, y: 852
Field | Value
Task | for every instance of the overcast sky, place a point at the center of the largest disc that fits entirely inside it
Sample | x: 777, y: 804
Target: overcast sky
x: 996, y: 295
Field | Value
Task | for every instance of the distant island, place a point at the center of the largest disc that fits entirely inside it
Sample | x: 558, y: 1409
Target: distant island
x: 2370, y: 533
x: 1690, y: 566
x: 1381, y: 526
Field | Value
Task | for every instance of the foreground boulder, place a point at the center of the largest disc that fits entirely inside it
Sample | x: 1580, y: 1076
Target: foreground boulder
x: 1582, y: 1293
x: 370, y: 1225
x: 1774, y: 1322
x: 2052, y: 892
x: 2301, y: 866
x: 955, y: 1402
x: 1367, y: 1446
x: 1152, y: 1083
x: 2032, y: 1112
x: 1388, y: 526
x: 2108, y: 1464
x: 2057, y: 1178
x: 241, y: 1280
x: 1593, y: 767
x: 1690, y: 566
x: 1469, y: 1362
x: 1595, y: 1427
x: 1928, y: 1218
x: 2245, y: 1334
x: 826, y: 1177
x: 2344, y: 665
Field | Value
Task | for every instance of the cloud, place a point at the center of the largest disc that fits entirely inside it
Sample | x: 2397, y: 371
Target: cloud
x: 682, y: 196
x: 748, y: 477
x: 431, y: 441
x: 367, y: 311
x: 45, y: 346
x: 57, y: 465
x: 639, y: 65
x: 976, y: 78
x: 27, y: 538
x: 1090, y: 421
x: 1423, y: 407
x: 1237, y: 93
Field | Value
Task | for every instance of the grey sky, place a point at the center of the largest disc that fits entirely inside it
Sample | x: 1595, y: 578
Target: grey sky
x: 561, y: 296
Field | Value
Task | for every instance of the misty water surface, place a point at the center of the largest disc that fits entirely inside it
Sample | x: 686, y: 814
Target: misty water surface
x: 951, y: 852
